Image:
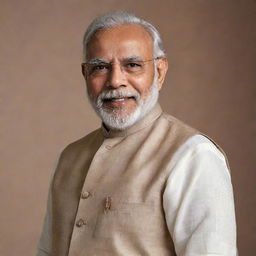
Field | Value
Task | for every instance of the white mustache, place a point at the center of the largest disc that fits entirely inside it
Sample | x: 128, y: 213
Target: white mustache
x: 118, y: 94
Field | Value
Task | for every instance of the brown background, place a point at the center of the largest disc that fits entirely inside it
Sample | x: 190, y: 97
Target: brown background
x: 210, y: 85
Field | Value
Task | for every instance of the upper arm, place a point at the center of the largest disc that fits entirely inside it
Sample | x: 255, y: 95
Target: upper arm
x: 198, y: 202
x: 44, y: 244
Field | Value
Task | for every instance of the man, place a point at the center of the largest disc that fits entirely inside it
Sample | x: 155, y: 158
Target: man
x: 144, y: 183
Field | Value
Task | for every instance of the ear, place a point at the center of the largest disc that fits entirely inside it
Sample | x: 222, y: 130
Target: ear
x: 84, y: 71
x: 162, y: 67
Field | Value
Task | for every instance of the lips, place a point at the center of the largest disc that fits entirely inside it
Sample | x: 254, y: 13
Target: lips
x: 117, y: 99
x: 118, y: 102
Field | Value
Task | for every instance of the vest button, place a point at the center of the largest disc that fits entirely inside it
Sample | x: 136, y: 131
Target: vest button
x: 80, y: 223
x: 85, y: 194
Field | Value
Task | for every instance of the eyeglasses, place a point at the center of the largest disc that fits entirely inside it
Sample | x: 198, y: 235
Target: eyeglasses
x: 101, y: 68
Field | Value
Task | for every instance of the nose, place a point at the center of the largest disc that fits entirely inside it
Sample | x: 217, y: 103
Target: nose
x: 116, y: 76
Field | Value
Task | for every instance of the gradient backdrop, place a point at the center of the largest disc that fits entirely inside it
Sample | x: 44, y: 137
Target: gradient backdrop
x: 210, y: 85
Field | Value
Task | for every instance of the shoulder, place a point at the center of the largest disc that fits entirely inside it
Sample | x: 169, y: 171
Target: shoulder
x: 190, y: 144
x: 199, y: 144
x: 88, y: 141
x: 192, y: 140
x: 174, y: 128
x: 173, y: 121
x: 171, y: 133
x: 199, y: 156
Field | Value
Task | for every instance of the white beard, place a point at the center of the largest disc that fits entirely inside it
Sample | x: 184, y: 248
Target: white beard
x: 113, y: 119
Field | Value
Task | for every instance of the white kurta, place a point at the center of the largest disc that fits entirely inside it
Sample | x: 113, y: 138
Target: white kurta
x: 199, y: 208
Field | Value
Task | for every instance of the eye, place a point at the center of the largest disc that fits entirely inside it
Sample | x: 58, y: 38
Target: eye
x: 133, y: 65
x: 98, y: 67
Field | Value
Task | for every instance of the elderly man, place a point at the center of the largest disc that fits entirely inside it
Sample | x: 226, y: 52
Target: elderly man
x: 144, y: 183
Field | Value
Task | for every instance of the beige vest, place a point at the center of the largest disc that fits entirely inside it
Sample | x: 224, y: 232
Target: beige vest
x: 108, y: 188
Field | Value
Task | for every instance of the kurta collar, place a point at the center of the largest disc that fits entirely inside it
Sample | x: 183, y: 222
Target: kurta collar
x: 144, y: 122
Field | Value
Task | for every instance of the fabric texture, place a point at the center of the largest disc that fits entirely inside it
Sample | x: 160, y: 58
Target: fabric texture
x: 198, y: 200
x: 157, y: 188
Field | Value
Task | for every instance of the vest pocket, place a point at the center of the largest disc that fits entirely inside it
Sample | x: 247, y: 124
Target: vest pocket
x: 128, y: 219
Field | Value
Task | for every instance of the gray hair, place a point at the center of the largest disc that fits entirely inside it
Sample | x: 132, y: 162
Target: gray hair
x: 115, y: 19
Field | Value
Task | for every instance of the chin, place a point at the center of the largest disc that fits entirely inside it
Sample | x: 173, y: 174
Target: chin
x: 119, y: 120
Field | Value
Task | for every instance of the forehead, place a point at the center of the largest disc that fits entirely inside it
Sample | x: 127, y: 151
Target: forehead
x: 121, y: 42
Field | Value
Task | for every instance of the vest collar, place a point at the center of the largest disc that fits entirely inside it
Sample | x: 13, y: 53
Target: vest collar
x: 143, y: 123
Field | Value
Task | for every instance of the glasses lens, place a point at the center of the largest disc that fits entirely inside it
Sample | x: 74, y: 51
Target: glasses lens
x: 133, y: 67
x: 98, y: 69
x: 103, y: 68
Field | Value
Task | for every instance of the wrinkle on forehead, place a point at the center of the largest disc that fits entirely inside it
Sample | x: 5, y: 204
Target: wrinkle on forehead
x: 123, y: 41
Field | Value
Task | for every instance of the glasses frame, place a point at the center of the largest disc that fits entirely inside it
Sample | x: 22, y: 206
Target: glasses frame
x: 84, y: 65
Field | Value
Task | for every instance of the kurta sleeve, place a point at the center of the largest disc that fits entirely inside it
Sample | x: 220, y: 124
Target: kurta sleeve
x: 45, y: 239
x: 198, y: 201
x: 44, y: 244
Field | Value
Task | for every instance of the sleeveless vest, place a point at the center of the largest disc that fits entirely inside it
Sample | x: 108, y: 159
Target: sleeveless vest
x: 108, y: 187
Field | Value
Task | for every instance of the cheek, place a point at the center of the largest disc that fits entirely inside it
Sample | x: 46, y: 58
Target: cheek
x: 95, y: 86
x: 143, y: 84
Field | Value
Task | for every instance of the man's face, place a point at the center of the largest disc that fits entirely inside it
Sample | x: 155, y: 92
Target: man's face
x: 121, y: 74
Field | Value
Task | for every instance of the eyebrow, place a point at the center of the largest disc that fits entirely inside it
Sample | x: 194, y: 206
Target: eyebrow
x: 96, y: 61
x: 99, y: 60
x: 132, y: 58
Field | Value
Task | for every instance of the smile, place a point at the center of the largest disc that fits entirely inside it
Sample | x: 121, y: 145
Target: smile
x: 118, y: 102
x: 118, y: 99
